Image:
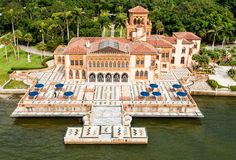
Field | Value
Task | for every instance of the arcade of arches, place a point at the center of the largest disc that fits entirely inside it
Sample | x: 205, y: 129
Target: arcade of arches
x: 108, y: 77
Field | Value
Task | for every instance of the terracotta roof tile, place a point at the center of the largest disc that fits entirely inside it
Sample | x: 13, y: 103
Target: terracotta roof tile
x: 140, y: 47
x: 158, y: 42
x: 186, y: 35
x: 138, y: 9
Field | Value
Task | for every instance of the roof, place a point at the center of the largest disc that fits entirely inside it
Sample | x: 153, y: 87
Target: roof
x: 140, y: 47
x: 186, y: 35
x: 138, y: 9
x: 158, y: 42
x: 173, y: 40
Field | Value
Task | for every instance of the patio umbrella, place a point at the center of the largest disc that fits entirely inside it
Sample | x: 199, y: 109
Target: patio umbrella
x: 68, y: 94
x: 177, y: 86
x: 152, y: 85
x: 33, y: 94
x: 181, y: 94
x: 144, y: 94
x: 59, y: 85
x: 39, y: 85
x: 157, y: 94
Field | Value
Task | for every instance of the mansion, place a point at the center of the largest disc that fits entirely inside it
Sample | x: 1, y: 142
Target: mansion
x: 139, y: 56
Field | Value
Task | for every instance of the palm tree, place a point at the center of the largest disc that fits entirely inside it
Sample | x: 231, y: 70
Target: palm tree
x: 18, y: 35
x: 159, y: 27
x: 120, y: 21
x: 28, y: 38
x: 11, y: 14
x: 6, y: 40
x: 65, y: 17
x: 227, y: 32
x: 215, y: 31
x: 41, y: 46
x: 78, y: 12
x: 104, y: 20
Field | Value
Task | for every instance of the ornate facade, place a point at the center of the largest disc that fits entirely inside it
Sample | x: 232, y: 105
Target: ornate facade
x: 139, y: 56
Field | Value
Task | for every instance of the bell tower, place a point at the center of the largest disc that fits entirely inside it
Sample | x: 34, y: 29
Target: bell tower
x: 138, y: 27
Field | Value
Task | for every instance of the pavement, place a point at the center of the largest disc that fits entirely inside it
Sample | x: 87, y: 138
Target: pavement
x: 222, y: 77
x: 35, y: 51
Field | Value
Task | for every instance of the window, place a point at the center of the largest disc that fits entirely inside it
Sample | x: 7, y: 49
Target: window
x: 127, y: 64
x: 81, y: 62
x: 137, y: 73
x: 157, y: 57
x: 102, y: 64
x: 114, y: 64
x: 164, y: 66
x: 163, y: 55
x: 76, y: 62
x: 195, y: 45
x: 98, y: 64
x: 190, y: 51
x: 123, y: 64
x: 77, y: 74
x: 141, y: 74
x: 137, y: 61
x: 142, y: 62
x: 167, y: 55
x: 182, y: 60
x: 173, y: 50
x: 70, y: 74
x: 94, y: 64
x: 118, y: 64
x: 146, y: 74
x: 106, y: 64
x: 71, y: 62
x: 173, y: 60
x: 153, y: 63
x: 183, y: 50
x: 110, y: 64
x: 90, y: 64
x: 59, y: 59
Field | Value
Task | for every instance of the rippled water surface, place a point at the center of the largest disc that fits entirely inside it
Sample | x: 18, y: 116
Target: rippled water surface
x: 210, y: 138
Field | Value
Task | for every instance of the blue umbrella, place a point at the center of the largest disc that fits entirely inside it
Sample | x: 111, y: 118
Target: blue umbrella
x: 153, y: 85
x: 68, y: 94
x: 156, y: 94
x: 176, y: 86
x: 33, y: 94
x: 144, y: 94
x: 59, y: 85
x: 181, y: 94
x: 39, y: 85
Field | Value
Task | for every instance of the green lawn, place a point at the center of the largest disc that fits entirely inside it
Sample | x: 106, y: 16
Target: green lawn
x: 13, y: 84
x: 13, y: 62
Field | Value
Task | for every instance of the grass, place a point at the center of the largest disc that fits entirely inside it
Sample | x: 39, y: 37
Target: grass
x: 13, y: 62
x: 13, y: 84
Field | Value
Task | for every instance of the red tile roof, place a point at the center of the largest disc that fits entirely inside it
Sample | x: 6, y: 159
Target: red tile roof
x: 140, y: 47
x: 186, y: 35
x: 158, y: 42
x: 138, y: 9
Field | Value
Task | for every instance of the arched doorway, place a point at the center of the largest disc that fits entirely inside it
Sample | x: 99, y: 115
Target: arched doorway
x: 116, y: 77
x: 108, y: 77
x: 77, y: 74
x: 100, y: 77
x: 92, y: 77
x: 124, y: 77
x: 83, y: 75
x: 71, y: 74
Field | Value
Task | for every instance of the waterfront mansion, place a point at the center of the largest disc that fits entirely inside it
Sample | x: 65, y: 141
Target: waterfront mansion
x: 139, y: 56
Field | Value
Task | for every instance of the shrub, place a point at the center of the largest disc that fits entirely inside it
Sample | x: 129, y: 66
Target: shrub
x: 213, y: 83
x: 231, y: 73
x: 233, y: 88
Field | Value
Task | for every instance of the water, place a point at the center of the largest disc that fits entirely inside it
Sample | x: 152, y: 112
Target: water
x: 213, y: 137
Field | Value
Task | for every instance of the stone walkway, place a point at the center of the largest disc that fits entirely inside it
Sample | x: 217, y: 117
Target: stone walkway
x: 222, y: 77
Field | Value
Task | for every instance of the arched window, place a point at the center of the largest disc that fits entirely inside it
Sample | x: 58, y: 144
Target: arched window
x: 127, y: 64
x: 139, y: 21
x: 137, y: 62
x: 173, y: 50
x: 71, y: 74
x: 137, y: 74
x: 106, y: 64
x: 114, y: 64
x: 110, y: 64
x: 141, y: 73
x: 195, y: 45
x: 63, y: 60
x: 98, y: 64
x: 119, y: 64
x: 90, y: 64
x: 94, y: 64
x: 59, y: 59
x: 182, y: 60
x: 183, y: 50
x: 102, y: 64
x: 135, y: 21
x: 173, y: 60
x: 83, y: 75
x: 77, y: 74
x: 146, y: 74
x: 123, y: 64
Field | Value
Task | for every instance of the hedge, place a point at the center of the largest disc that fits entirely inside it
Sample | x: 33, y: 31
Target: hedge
x: 233, y: 88
x: 213, y: 83
x: 44, y: 65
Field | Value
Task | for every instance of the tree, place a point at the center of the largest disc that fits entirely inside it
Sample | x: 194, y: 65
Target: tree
x: 65, y: 16
x: 202, y: 60
x: 232, y: 63
x: 6, y: 40
x: 120, y: 21
x: 18, y: 35
x: 28, y: 38
x: 214, y: 55
x: 159, y: 27
x: 104, y: 20
x: 215, y: 31
x: 227, y: 32
x: 78, y: 13
x: 41, y: 46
